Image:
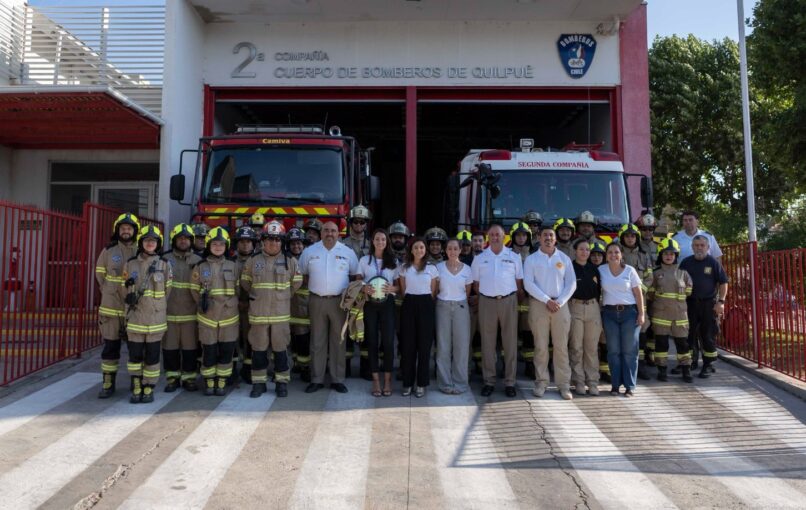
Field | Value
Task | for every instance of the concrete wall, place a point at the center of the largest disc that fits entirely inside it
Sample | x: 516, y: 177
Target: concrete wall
x: 182, y: 100
x: 30, y: 169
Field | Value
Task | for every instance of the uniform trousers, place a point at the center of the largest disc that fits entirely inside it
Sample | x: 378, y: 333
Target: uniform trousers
x: 416, y: 338
x: 379, y: 333
x: 703, y: 326
x: 453, y: 344
x: 583, y: 347
x: 327, y: 348
x: 492, y: 312
x: 556, y: 326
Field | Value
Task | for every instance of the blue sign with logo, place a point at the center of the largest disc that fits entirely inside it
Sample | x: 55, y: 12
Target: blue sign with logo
x: 576, y: 53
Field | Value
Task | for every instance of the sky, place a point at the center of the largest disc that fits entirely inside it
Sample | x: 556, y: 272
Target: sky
x: 706, y: 19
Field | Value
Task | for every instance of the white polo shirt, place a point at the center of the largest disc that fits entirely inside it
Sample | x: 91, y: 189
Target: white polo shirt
x: 685, y: 244
x: 549, y: 276
x: 496, y: 274
x: 328, y: 271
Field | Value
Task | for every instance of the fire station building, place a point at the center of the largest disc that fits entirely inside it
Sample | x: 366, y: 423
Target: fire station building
x: 102, y: 110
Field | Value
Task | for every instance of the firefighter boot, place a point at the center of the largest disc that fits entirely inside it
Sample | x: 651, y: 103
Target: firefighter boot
x: 258, y: 389
x: 172, y: 384
x: 190, y: 385
x: 662, y: 373
x: 220, y: 386
x: 281, y: 389
x: 642, y: 373
x: 108, y: 386
x: 677, y: 370
x: 687, y: 374
x: 246, y: 373
x: 705, y: 371
x: 148, y: 394
x: 209, y: 386
x: 232, y: 380
x: 305, y: 373
x: 137, y: 390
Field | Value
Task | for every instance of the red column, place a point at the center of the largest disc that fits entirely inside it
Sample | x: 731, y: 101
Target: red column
x: 411, y: 157
x: 209, y: 111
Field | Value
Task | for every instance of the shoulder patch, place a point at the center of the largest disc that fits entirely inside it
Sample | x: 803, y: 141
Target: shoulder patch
x: 116, y: 258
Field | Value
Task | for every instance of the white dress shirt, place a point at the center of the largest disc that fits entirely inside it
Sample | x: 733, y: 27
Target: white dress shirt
x: 685, y: 244
x: 418, y: 282
x: 453, y: 287
x: 549, y: 276
x: 496, y: 274
x: 328, y: 271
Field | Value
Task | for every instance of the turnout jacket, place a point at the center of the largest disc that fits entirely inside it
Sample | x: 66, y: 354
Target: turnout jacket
x: 109, y: 275
x: 217, y: 278
x: 150, y: 280
x: 641, y: 262
x: 181, y: 306
x: 271, y: 281
x: 668, y: 292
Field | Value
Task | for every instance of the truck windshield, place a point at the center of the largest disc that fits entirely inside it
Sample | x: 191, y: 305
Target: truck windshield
x: 562, y: 194
x: 276, y: 175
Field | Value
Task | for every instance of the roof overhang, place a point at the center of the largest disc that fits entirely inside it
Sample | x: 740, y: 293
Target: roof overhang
x: 67, y: 117
x: 229, y: 11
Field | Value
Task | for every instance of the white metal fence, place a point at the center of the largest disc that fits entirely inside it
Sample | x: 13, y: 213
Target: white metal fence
x: 118, y: 46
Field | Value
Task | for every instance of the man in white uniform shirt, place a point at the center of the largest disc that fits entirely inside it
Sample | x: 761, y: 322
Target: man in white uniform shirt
x: 550, y: 281
x: 691, y: 229
x: 327, y: 268
x: 498, y: 279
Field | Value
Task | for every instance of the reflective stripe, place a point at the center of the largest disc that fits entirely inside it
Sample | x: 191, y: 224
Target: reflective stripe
x: 109, y: 367
x: 147, y: 328
x: 181, y: 285
x: 300, y: 321
x: 181, y: 318
x: 171, y: 374
x: 523, y: 308
x: 282, y: 377
x: 217, y: 324
x: 222, y: 292
x: 208, y: 372
x: 100, y: 269
x: 246, y: 277
x: 195, y: 286
x: 154, y: 294
x: 188, y: 376
x: 661, y: 322
x: 671, y: 295
x: 272, y: 286
x: 268, y: 319
x: 303, y: 292
x: 709, y: 354
x: 114, y: 279
x: 259, y: 379
x: 661, y: 355
x: 224, y: 372
x: 110, y: 312
x: 134, y: 367
x: 151, y: 373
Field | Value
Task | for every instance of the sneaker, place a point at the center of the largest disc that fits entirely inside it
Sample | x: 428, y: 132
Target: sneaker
x: 539, y: 390
x: 579, y: 389
x: 629, y: 393
x: 566, y: 394
x: 593, y: 390
x: 419, y: 392
x: 407, y: 391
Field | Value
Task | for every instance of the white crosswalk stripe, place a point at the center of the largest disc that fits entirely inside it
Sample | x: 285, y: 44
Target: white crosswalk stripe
x: 17, y: 414
x: 749, y: 481
x: 614, y: 481
x: 38, y: 478
x: 334, y: 474
x: 465, y: 486
x: 190, y: 475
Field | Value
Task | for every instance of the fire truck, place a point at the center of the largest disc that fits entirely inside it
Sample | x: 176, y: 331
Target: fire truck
x: 286, y: 172
x: 501, y: 186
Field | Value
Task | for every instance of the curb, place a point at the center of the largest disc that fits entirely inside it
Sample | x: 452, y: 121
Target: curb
x: 778, y: 379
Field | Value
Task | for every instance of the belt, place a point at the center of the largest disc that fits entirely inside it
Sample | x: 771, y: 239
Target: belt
x: 325, y: 297
x: 498, y: 297
x: 584, y: 301
x: 619, y: 308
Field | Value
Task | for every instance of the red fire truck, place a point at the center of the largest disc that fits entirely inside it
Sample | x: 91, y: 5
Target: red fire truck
x: 285, y: 172
x: 501, y: 186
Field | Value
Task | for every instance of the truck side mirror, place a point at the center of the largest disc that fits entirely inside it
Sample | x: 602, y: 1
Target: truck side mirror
x: 374, y: 188
x: 646, y: 192
x: 177, y: 187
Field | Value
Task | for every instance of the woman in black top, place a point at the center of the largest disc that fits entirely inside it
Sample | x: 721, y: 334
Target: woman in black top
x: 586, y: 322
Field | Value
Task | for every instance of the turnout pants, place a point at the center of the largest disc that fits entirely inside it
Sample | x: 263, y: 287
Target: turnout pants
x: 703, y: 325
x: 218, y: 346
x: 662, y: 352
x: 144, y: 356
x: 276, y: 337
x: 180, y: 349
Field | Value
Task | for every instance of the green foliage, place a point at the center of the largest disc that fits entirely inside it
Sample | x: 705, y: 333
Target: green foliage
x: 790, y: 231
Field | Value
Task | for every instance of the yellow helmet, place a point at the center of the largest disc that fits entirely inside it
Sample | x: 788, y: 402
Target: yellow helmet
x: 126, y: 219
x: 564, y: 222
x: 629, y: 228
x: 597, y: 247
x: 182, y: 229
x: 464, y: 236
x: 149, y: 232
x: 669, y: 245
x: 257, y: 220
x: 217, y: 234
x: 519, y: 226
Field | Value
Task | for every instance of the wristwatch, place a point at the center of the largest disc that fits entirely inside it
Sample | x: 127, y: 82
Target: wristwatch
x: 720, y: 301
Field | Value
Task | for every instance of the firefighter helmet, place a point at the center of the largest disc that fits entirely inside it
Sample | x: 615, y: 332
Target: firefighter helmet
x: 669, y: 245
x: 586, y: 217
x: 313, y: 224
x: 257, y: 220
x: 399, y: 228
x: 273, y: 229
x: 533, y: 217
x: 647, y: 220
x: 564, y: 222
x: 464, y: 237
x: 296, y: 234
x: 200, y: 230
x: 598, y: 247
x: 246, y: 232
x: 126, y: 219
x: 359, y: 212
x: 520, y: 227
x: 149, y: 232
x: 217, y: 234
x: 628, y: 228
x: 182, y: 229
x: 436, y: 234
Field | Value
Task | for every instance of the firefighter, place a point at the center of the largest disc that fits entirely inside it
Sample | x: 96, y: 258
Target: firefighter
x: 180, y: 344
x: 535, y: 221
x: 586, y: 228
x: 256, y: 221
x: 247, y: 243
x: 635, y: 256
x: 564, y: 228
x: 111, y: 313
x: 357, y: 222
x: 300, y: 321
x: 435, y: 240
x: 465, y: 239
x: 647, y: 224
x: 521, y: 244
x: 200, y: 231
x: 597, y: 258
x: 399, y: 234
x: 146, y: 288
x: 313, y: 231
x: 477, y: 242
x: 670, y: 288
x: 213, y: 285
x: 271, y: 278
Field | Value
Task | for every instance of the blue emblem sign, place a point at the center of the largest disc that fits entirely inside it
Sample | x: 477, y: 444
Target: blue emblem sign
x: 576, y: 53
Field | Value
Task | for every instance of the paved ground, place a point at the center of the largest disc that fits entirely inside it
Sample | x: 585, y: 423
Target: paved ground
x: 728, y: 442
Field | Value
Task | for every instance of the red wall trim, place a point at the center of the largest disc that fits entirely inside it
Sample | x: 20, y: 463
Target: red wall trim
x: 311, y: 93
x: 209, y: 111
x: 411, y: 158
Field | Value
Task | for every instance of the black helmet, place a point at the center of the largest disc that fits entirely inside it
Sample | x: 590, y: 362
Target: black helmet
x: 246, y: 232
x: 295, y: 234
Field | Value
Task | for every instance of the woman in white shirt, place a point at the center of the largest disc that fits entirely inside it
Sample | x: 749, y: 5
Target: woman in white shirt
x: 622, y: 317
x: 418, y: 283
x: 453, y: 321
x: 379, y: 316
